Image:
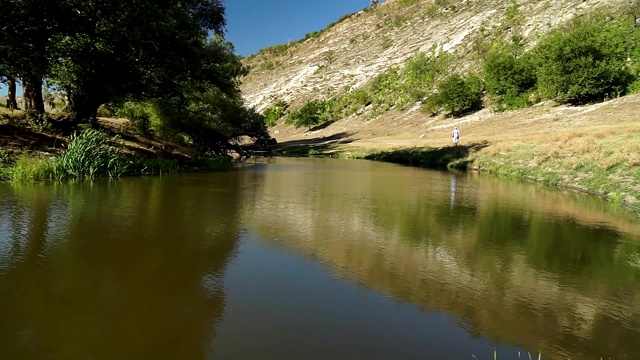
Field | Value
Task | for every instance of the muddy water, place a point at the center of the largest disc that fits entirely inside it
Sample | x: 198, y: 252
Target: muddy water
x: 315, y: 259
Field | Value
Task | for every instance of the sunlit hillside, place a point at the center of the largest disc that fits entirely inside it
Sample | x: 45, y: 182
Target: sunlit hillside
x: 351, y: 52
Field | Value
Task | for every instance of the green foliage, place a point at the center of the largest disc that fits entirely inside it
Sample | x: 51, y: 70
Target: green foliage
x: 353, y: 102
x: 457, y: 95
x: 277, y: 50
x: 313, y: 113
x: 509, y: 78
x: 29, y: 169
x: 583, y: 62
x: 139, y: 114
x: 275, y: 113
x: 100, y: 51
x: 210, y: 121
x: 407, y: 2
x: 634, y: 87
x: 513, y: 16
x: 403, y: 87
x: 91, y: 154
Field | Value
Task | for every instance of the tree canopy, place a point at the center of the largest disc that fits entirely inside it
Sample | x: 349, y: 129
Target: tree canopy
x: 100, y: 52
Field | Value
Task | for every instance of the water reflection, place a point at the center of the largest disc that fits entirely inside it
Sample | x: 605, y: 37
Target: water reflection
x: 521, y: 264
x: 454, y: 185
x: 114, y: 270
x: 314, y: 259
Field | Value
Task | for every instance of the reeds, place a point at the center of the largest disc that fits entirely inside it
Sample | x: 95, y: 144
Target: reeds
x: 91, y: 154
x: 495, y: 355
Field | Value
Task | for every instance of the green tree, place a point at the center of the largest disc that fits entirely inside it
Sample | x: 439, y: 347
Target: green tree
x: 136, y: 50
x: 584, y: 61
x: 457, y: 95
x: 313, y: 113
x: 211, y: 121
x: 509, y: 77
x: 25, y: 37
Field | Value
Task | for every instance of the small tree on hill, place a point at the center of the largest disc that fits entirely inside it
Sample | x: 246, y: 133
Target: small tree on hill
x: 584, y: 62
x: 509, y: 78
x: 457, y: 95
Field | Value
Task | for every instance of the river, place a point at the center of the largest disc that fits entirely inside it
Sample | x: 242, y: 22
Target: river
x: 316, y: 259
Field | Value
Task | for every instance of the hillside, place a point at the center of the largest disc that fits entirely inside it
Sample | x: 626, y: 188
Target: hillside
x: 593, y: 148
x: 353, y: 51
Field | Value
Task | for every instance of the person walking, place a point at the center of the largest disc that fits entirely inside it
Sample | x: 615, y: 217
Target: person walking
x: 456, y: 136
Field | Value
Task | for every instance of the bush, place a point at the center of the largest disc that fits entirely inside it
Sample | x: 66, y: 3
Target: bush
x: 457, y: 95
x: 139, y: 113
x: 275, y: 113
x: 584, y: 62
x: 313, y: 113
x: 509, y: 78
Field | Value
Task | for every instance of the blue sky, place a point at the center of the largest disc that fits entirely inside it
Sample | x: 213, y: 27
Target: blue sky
x: 256, y: 24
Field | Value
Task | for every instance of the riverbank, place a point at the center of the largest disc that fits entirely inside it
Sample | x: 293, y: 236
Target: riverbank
x: 593, y: 149
x: 37, y: 149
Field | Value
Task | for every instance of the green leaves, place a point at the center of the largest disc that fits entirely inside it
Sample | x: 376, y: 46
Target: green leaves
x: 584, y: 62
x: 457, y: 95
x: 313, y: 113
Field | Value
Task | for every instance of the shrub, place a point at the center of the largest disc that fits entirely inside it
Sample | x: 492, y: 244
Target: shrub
x: 459, y: 96
x: 509, y: 78
x: 313, y: 113
x: 583, y: 62
x: 139, y: 113
x: 275, y: 113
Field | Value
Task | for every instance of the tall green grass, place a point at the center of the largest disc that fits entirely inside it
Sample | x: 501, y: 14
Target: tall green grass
x: 29, y: 169
x: 91, y: 154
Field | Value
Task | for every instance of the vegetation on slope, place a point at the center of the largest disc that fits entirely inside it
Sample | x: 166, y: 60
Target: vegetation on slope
x: 588, y: 60
x: 105, y: 54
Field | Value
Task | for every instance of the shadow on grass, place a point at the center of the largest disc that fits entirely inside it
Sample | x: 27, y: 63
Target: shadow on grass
x: 307, y: 147
x: 453, y: 157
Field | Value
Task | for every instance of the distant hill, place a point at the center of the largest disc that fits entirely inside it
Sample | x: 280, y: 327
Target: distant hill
x: 351, y: 52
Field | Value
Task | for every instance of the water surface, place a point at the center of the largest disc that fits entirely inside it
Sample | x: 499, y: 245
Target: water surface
x: 315, y: 259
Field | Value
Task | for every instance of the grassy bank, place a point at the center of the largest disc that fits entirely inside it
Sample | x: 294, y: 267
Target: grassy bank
x: 611, y: 175
x: 92, y: 154
x: 603, y: 162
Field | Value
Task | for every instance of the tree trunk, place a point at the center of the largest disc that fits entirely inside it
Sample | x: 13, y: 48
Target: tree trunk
x: 12, y: 103
x: 27, y: 95
x: 81, y: 108
x: 33, y: 95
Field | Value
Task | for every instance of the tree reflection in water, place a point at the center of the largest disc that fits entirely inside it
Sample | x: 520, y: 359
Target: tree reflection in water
x: 127, y: 269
